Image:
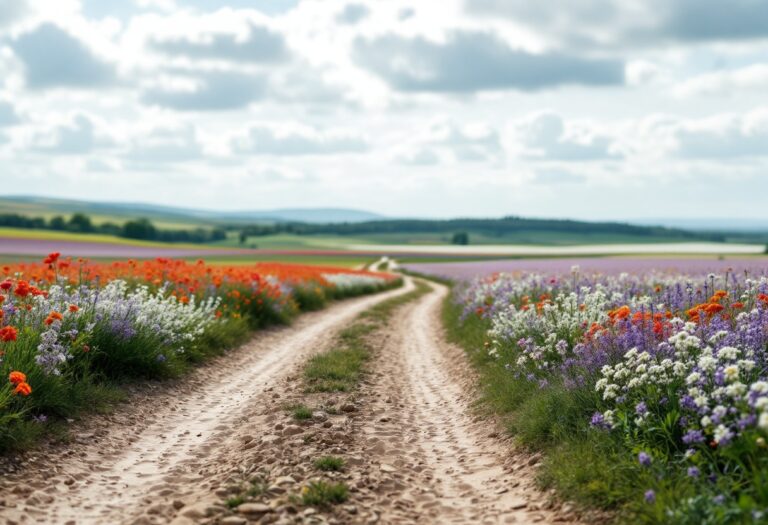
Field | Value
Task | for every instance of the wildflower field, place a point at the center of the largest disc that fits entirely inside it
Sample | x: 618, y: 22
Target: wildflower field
x: 647, y: 393
x: 72, y: 329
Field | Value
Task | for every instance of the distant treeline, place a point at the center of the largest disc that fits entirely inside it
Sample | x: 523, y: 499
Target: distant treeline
x: 490, y: 227
x: 141, y: 229
x: 458, y: 230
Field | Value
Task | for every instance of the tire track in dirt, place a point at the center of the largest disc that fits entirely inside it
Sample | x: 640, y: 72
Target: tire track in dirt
x: 149, y: 462
x: 430, y: 459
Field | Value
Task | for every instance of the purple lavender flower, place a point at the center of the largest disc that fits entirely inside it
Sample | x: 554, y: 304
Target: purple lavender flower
x: 693, y: 472
x: 650, y: 496
x: 693, y: 436
x: 641, y: 408
x: 644, y: 459
x: 598, y: 421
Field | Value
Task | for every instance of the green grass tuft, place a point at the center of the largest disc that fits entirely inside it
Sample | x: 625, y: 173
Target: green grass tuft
x: 329, y: 463
x: 235, y: 501
x: 301, y: 412
x: 324, y: 494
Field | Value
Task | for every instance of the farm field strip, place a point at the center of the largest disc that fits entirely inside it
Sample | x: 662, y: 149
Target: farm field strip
x: 461, y: 270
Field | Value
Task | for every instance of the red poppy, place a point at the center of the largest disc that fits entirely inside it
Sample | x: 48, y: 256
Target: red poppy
x: 8, y: 334
x: 52, y: 258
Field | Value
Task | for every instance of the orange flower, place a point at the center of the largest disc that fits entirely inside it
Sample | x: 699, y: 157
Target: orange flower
x: 620, y: 313
x: 714, y: 308
x: 16, y: 377
x: 737, y: 305
x: 23, y: 388
x: 8, y: 334
x: 73, y: 308
x: 52, y: 317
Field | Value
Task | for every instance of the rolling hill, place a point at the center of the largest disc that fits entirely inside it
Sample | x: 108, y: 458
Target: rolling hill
x: 175, y: 216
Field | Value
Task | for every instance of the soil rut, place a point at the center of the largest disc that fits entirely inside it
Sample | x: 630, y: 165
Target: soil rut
x: 447, y: 465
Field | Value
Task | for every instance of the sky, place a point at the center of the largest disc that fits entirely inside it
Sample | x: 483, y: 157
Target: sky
x: 589, y: 109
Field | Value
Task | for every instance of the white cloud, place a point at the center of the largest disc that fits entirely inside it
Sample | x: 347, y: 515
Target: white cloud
x: 162, y: 145
x: 264, y: 140
x: 726, y: 83
x: 396, y: 106
x: 79, y: 136
x: 545, y: 136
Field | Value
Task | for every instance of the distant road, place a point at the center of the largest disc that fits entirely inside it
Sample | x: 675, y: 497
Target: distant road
x: 711, y: 248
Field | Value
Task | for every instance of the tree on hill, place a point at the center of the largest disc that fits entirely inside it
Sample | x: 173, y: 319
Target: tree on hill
x: 79, y: 222
x: 460, y: 238
x: 57, y: 223
x: 140, y: 229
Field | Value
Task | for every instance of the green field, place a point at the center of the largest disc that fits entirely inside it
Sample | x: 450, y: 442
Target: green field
x: 297, y: 242
x: 23, y: 233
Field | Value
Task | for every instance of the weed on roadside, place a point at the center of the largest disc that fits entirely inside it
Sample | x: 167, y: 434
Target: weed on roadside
x: 301, y: 412
x: 329, y: 463
x: 324, y: 494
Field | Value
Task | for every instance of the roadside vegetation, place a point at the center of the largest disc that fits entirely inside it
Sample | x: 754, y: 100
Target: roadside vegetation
x: 640, y: 391
x: 72, y: 332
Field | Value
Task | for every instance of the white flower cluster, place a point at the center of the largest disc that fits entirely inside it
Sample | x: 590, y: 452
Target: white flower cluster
x: 172, y: 320
x: 346, y: 281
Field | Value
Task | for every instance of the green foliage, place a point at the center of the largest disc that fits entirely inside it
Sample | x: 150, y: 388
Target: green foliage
x: 460, y: 238
x: 139, y: 229
x: 489, y: 227
x: 301, y: 412
x: 329, y: 463
x: 79, y: 222
x: 235, y: 501
x: 310, y: 296
x: 600, y: 469
x: 336, y: 370
x: 324, y: 494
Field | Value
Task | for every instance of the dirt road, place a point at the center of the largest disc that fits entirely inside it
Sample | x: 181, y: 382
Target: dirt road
x: 415, y: 451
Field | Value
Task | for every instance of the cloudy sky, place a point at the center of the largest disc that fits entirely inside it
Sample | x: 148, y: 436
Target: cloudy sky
x: 619, y: 109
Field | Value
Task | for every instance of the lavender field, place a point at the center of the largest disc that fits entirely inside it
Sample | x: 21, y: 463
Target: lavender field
x: 610, y: 266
